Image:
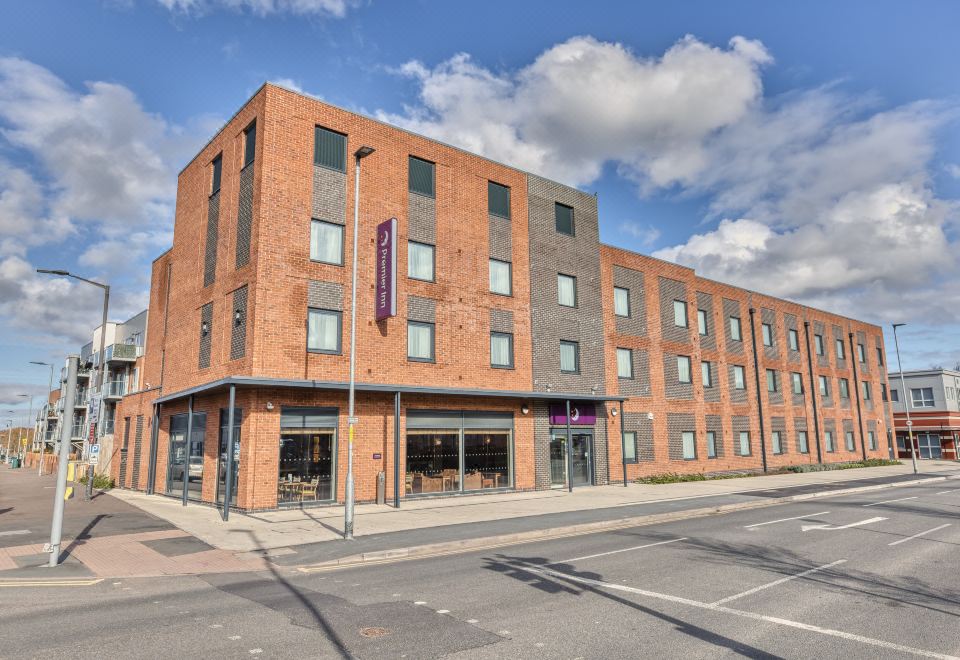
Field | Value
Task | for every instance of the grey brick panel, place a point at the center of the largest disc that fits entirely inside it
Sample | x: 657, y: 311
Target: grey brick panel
x: 501, y: 321
x: 715, y: 424
x: 632, y: 280
x: 541, y: 444
x: 501, y: 238
x: 421, y: 309
x: 137, y: 449
x: 671, y: 290
x: 245, y: 216
x: 639, y: 385
x: 673, y: 388
x: 210, y: 247
x: 639, y: 423
x: 422, y: 219
x: 677, y: 423
x: 206, y: 340
x: 329, y: 199
x: 731, y: 308
x: 705, y: 302
x: 238, y: 326
x: 325, y: 295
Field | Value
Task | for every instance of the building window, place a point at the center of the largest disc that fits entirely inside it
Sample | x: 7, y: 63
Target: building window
x: 564, y: 218
x: 879, y: 356
x: 329, y: 149
x: 624, y: 363
x: 851, y: 446
x: 776, y: 442
x: 894, y: 395
x: 326, y: 242
x: 217, y: 166
x: 705, y: 374
x: 420, y: 341
x: 739, y: 377
x: 683, y: 369
x: 567, y: 290
x: 793, y: 340
x: 324, y: 332
x: 824, y: 386
x: 501, y: 280
x: 735, y: 329
x: 840, y: 353
x: 711, y: 444
x: 828, y: 440
x: 702, y: 323
x: 883, y: 392
x: 250, y: 143
x: 922, y: 397
x: 680, y: 313
x: 766, y: 330
x: 501, y: 350
x: 420, y: 261
x: 621, y: 301
x: 569, y: 357
x: 435, y: 457
x: 772, y: 384
x: 872, y: 437
x: 689, y: 445
x: 744, y: 443
x: 818, y: 344
x: 629, y: 447
x: 498, y: 200
x: 422, y: 177
x: 797, y: 383
x: 861, y: 353
x: 844, y: 389
x: 307, y: 469
x: 866, y: 392
x: 802, y: 442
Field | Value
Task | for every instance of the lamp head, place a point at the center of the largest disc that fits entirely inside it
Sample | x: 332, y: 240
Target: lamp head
x: 42, y: 364
x: 363, y: 152
x: 898, y: 325
x: 49, y: 271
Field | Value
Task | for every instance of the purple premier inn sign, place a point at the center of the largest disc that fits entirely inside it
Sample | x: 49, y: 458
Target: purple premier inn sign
x: 582, y: 414
x: 386, y: 295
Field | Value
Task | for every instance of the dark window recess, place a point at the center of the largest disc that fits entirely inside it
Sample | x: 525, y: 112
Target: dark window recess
x: 217, y: 171
x: 422, y: 177
x: 250, y: 143
x: 330, y: 149
x: 564, y: 217
x: 498, y: 200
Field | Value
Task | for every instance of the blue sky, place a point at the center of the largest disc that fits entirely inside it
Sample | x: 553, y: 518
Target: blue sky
x: 808, y: 150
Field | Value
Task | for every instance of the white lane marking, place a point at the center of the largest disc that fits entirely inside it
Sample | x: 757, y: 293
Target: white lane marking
x: 15, y: 532
x: 747, y: 615
x: 902, y: 499
x: 944, y: 492
x: 916, y: 536
x: 770, y: 522
x: 613, y: 552
x: 443, y: 611
x: 807, y: 528
x: 780, y: 581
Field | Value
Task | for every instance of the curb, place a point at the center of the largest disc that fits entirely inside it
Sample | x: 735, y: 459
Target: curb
x: 490, y: 542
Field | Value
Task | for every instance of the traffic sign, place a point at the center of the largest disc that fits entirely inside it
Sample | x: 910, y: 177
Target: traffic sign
x: 94, y: 454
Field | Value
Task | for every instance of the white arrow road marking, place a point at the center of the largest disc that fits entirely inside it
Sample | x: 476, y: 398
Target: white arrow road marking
x: 807, y: 528
x: 916, y: 536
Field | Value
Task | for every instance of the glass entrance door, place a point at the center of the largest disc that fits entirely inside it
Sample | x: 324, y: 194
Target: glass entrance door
x: 222, y: 458
x: 185, y: 460
x: 581, y: 465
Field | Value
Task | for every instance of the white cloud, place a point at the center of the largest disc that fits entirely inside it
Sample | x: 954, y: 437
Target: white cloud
x: 645, y: 233
x: 953, y: 170
x: 262, y: 8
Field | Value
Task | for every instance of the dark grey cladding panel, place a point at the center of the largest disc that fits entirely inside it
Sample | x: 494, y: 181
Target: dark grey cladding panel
x: 671, y: 290
x: 137, y: 449
x: 639, y: 385
x: 552, y: 252
x: 737, y: 396
x: 712, y: 394
x: 238, y: 324
x: 715, y: 424
x: 731, y: 308
x: 778, y: 424
x: 245, y: 216
x: 213, y: 234
x: 421, y: 309
x: 541, y: 444
x: 325, y: 295
x: 864, y: 367
x: 677, y: 423
x: 639, y: 423
x: 739, y: 424
x: 422, y: 219
x: 632, y: 280
x: 501, y: 238
x: 709, y: 340
x: 839, y: 336
x: 848, y: 425
x: 822, y: 360
x: 790, y: 323
x: 501, y: 321
x: 830, y: 425
x: 800, y: 423
x: 601, y: 449
x: 329, y: 201
x: 206, y: 337
x: 769, y: 317
x: 673, y: 388
x: 872, y: 425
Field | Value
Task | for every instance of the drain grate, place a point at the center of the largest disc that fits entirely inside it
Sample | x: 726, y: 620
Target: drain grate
x: 373, y: 632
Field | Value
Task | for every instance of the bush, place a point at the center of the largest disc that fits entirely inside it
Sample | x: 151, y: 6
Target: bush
x: 675, y: 477
x: 823, y: 467
x: 100, y: 481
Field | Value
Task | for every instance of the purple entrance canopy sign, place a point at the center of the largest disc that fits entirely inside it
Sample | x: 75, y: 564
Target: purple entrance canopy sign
x: 582, y: 414
x: 385, y: 303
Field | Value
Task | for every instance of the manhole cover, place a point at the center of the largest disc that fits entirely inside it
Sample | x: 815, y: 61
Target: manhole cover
x: 373, y: 632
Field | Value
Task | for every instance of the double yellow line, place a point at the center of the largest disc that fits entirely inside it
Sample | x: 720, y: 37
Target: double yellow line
x: 77, y: 582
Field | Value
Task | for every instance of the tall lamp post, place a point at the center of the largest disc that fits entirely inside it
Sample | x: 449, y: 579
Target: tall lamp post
x: 102, y: 366
x: 20, y: 447
x: 359, y: 155
x: 906, y: 399
x: 43, y: 440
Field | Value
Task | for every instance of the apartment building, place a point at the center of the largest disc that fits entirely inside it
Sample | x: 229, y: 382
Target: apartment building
x: 933, y: 396
x: 500, y: 345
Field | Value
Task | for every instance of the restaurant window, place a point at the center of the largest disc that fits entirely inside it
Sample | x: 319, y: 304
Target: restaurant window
x: 326, y: 242
x: 185, y: 459
x: 621, y: 301
x: 307, y: 465
x: 222, y: 458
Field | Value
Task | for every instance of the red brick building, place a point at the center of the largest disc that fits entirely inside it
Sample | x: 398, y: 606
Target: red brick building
x: 507, y: 308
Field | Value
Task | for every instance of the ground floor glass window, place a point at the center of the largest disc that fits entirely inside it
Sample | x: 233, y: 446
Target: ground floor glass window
x: 306, y: 464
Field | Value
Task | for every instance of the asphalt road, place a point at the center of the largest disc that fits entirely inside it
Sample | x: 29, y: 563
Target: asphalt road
x: 859, y: 576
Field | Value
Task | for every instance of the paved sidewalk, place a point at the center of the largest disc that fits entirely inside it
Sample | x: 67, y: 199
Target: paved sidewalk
x: 275, y: 533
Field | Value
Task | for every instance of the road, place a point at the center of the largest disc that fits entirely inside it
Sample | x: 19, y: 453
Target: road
x: 860, y: 576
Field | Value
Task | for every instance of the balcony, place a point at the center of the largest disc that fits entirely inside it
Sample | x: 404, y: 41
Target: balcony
x: 108, y: 427
x: 82, y: 399
x: 115, y: 389
x: 79, y: 431
x: 83, y: 373
x: 123, y: 352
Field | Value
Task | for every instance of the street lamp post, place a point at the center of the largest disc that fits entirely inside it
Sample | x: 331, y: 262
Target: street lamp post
x: 906, y: 399
x: 21, y: 451
x: 43, y: 440
x: 102, y: 366
x: 360, y: 154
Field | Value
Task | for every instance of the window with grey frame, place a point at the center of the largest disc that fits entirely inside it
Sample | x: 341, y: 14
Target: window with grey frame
x: 501, y: 277
x: 326, y: 242
x: 422, y: 177
x: 776, y: 442
x: 861, y: 353
x: 624, y: 363
x: 566, y: 290
x: 629, y: 446
x: 569, y: 357
x: 828, y: 441
x: 744, y: 444
x: 844, y: 388
x: 793, y: 340
x: 797, y: 382
x: 711, y: 444
x: 250, y: 143
x: 705, y: 375
x: 766, y: 330
x: 680, y: 314
x: 841, y: 355
x: 689, y: 441
x: 621, y: 301
x: 802, y: 442
x: 563, y: 216
x: 421, y: 260
x: 739, y: 377
x: 702, y: 326
x: 773, y: 384
x: 866, y: 390
x: 824, y: 385
x: 736, y: 329
x: 421, y: 341
x: 683, y: 369
x: 324, y: 331
x: 501, y: 350
x: 329, y: 149
x: 498, y: 200
x: 217, y: 166
x: 818, y: 344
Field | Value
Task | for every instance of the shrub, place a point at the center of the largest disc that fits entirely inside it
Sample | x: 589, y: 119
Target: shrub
x: 100, y: 481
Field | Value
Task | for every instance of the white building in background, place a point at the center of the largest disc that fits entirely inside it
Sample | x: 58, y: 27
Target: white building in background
x: 933, y: 396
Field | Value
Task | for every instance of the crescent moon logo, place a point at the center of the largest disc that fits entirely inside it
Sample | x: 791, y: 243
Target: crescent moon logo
x: 385, y: 239
x: 576, y: 414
